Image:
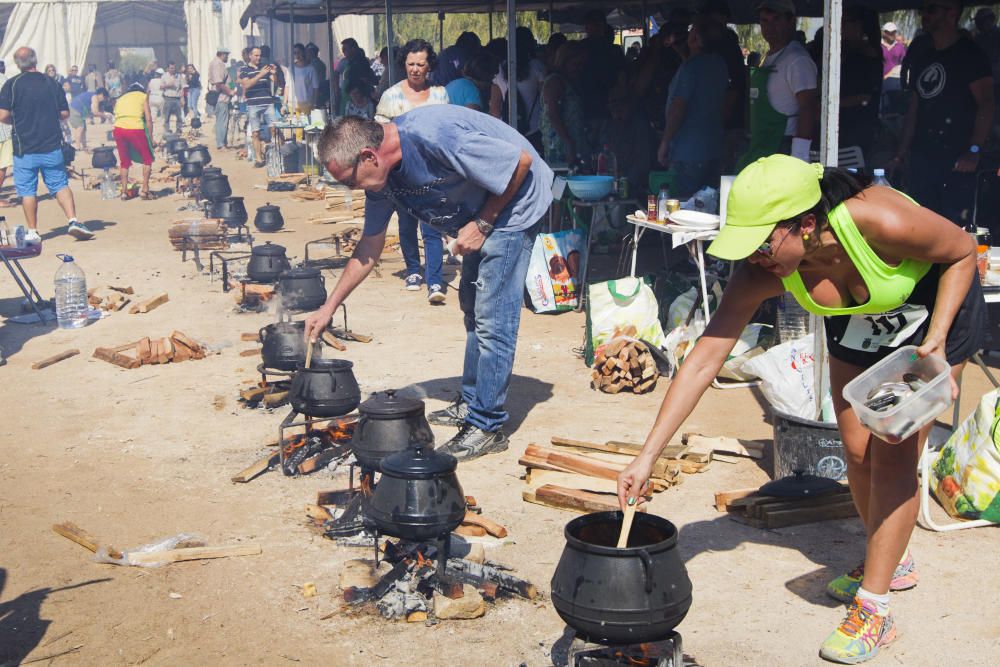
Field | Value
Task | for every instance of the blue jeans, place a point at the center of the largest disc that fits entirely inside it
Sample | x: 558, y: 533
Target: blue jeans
x: 222, y: 111
x: 193, y: 95
x: 433, y: 248
x: 491, y: 293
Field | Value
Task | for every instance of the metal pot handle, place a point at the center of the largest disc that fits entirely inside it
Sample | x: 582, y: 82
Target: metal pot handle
x: 262, y: 334
x: 647, y: 569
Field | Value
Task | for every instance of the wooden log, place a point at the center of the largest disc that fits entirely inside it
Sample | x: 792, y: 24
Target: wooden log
x: 536, y: 477
x: 193, y: 553
x: 54, y: 359
x: 332, y: 341
x: 465, y: 571
x: 575, y: 462
x: 273, y: 399
x: 150, y: 304
x: 73, y: 532
x: 116, y: 358
x: 738, y: 447
x: 252, y: 352
x: 491, y: 527
x: 844, y: 509
x: 253, y: 337
x: 184, y: 339
x: 257, y: 468
x: 724, y: 499
x: 253, y: 395
x: 572, y: 500
x: 351, y: 335
x: 318, y: 513
x: 470, y: 531
x: 144, y: 350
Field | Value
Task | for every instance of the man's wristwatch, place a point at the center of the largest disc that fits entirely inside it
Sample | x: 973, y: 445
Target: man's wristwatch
x: 484, y: 227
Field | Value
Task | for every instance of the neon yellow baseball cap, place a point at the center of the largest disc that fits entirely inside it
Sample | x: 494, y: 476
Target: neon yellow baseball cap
x: 768, y: 191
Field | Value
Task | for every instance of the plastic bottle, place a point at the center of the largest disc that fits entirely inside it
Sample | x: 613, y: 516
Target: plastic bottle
x: 109, y: 190
x: 607, y: 163
x: 880, y: 179
x: 4, y: 232
x: 71, y: 294
x: 661, y: 204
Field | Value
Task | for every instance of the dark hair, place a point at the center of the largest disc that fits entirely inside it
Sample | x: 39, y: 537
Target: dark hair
x: 350, y: 41
x: 837, y: 186
x: 525, y: 48
x: 416, y: 46
x: 102, y: 91
x: 481, y: 68
x: 469, y: 40
x: 498, y: 47
x: 712, y: 34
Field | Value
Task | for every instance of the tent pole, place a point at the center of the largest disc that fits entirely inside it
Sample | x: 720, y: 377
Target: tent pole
x: 291, y: 37
x: 830, y: 93
x: 512, y: 63
x: 551, y: 11
x: 440, y: 32
x: 491, y: 21
x: 390, y: 38
x: 645, y: 23
x: 329, y: 77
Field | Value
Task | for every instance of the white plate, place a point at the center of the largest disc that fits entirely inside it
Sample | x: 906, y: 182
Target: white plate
x: 696, y: 219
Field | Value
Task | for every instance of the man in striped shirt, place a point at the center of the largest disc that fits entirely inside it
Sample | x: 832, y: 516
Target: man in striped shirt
x: 256, y: 80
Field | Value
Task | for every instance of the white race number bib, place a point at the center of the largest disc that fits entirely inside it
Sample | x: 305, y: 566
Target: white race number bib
x: 867, y: 333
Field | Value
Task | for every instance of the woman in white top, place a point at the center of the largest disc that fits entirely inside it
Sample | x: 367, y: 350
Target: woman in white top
x: 417, y: 58
x: 155, y: 92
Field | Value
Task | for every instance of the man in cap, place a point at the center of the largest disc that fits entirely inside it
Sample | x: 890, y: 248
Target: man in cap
x: 471, y: 176
x: 950, y: 115
x: 893, y: 52
x: 218, y: 82
x: 784, y: 101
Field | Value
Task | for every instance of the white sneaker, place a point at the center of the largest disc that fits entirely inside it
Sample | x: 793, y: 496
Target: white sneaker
x: 31, y: 237
x: 435, y: 294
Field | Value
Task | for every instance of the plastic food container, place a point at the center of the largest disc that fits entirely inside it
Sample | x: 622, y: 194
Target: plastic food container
x: 900, y: 421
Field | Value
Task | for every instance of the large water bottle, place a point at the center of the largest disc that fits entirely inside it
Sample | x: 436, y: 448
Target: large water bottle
x: 880, y: 179
x: 71, y: 294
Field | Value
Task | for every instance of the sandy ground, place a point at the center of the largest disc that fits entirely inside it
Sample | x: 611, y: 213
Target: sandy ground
x: 136, y: 455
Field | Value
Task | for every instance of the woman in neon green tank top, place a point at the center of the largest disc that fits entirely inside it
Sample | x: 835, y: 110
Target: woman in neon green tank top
x: 858, y: 257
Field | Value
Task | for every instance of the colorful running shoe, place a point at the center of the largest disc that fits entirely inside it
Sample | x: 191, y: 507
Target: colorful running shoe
x: 846, y: 586
x: 860, y: 636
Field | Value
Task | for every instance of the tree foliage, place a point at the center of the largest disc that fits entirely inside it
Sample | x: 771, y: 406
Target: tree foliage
x: 427, y: 26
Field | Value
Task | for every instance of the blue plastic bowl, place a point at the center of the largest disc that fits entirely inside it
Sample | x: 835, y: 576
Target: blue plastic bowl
x: 590, y: 188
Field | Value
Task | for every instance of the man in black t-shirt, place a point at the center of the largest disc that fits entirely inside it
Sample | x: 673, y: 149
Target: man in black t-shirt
x: 950, y: 115
x: 256, y: 80
x: 34, y: 104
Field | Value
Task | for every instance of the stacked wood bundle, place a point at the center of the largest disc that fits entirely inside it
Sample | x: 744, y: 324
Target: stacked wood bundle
x: 582, y: 476
x: 110, y: 297
x: 752, y: 508
x: 344, y: 205
x: 201, y: 233
x: 174, y: 348
x: 624, y: 364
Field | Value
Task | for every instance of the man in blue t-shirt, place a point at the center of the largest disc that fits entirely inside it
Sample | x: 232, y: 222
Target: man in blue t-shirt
x: 474, y: 178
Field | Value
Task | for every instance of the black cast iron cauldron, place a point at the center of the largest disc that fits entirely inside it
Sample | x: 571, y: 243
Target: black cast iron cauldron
x: 196, y: 123
x: 215, y: 187
x: 388, y: 424
x: 211, y: 172
x: 232, y: 211
x: 191, y: 170
x: 268, y: 218
x: 198, y: 154
x: 326, y: 389
x: 176, y: 145
x: 103, y: 158
x: 621, y: 596
x: 283, y: 345
x: 418, y: 496
x: 302, y: 288
x: 267, y: 262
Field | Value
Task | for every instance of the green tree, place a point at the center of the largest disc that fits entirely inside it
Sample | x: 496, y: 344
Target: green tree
x: 427, y: 26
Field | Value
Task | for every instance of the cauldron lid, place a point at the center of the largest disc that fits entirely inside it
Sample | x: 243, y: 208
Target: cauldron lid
x: 268, y: 250
x: 300, y: 272
x: 388, y: 404
x: 104, y: 149
x: 799, y: 485
x: 269, y: 208
x: 419, y: 461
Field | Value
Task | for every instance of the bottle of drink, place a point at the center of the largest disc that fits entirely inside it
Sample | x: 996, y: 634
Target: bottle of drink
x: 607, y: 163
x: 4, y: 233
x: 661, y: 204
x: 879, y: 178
x: 71, y: 294
x: 108, y: 188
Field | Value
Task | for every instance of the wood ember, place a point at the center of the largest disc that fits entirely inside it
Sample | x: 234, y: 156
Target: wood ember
x: 624, y: 364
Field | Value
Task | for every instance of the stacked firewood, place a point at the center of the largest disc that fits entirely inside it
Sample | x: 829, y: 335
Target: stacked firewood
x: 174, y: 348
x: 626, y: 364
x: 202, y: 233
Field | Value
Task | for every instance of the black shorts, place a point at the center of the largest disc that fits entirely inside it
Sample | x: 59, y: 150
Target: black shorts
x: 965, y: 337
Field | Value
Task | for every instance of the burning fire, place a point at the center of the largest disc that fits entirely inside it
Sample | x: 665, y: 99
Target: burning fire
x: 341, y: 430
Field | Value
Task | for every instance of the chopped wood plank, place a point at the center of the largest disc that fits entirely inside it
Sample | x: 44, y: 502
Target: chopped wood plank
x: 536, y: 477
x: 73, y: 532
x: 724, y: 499
x: 186, y: 340
x: 257, y: 468
x: 181, y: 352
x: 250, y: 337
x: 704, y: 445
x: 252, y: 352
x: 318, y: 513
x: 253, y: 395
x: 149, y: 304
x: 334, y: 496
x: 791, y: 517
x: 332, y: 341
x: 470, y: 531
x: 572, y: 500
x: 276, y: 398
x: 491, y: 527
x: 116, y: 358
x: 575, y: 462
x: 124, y: 290
x: 193, y: 553
x: 351, y: 335
x: 144, y: 350
x: 54, y: 359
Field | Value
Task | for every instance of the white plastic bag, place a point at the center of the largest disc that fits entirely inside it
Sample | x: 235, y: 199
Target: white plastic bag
x: 553, y: 280
x: 786, y: 373
x: 616, y: 304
